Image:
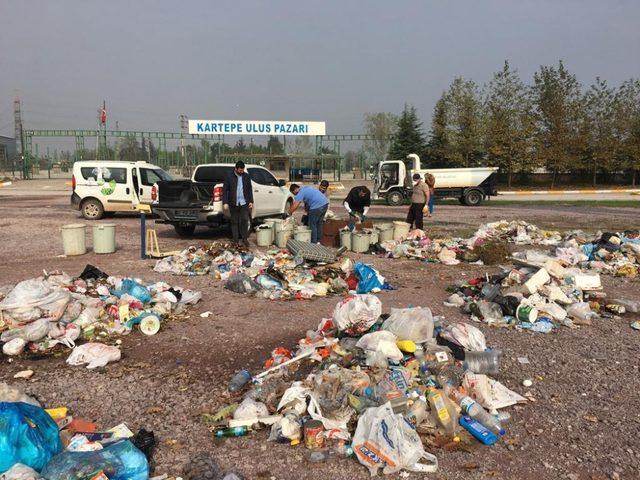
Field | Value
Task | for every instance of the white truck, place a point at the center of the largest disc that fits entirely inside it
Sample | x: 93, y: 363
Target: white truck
x: 186, y: 204
x: 393, y: 181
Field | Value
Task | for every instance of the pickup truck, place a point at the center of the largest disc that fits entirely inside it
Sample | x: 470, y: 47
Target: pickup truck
x: 185, y: 204
x: 392, y: 181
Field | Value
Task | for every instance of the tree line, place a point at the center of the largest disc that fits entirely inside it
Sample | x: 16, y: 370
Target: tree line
x: 552, y: 123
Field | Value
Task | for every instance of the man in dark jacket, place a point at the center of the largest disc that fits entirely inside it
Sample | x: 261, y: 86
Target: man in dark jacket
x: 237, y: 197
x: 357, y: 204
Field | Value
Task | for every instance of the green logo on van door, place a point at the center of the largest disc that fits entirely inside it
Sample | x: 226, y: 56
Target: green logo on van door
x: 108, y: 188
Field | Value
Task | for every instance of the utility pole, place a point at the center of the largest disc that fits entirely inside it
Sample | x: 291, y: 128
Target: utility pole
x: 17, y: 120
x: 183, y: 130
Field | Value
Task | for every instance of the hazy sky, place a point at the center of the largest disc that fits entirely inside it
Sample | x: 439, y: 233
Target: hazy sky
x: 264, y: 60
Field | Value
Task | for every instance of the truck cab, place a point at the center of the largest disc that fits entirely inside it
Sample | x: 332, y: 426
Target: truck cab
x: 393, y: 181
x: 186, y: 204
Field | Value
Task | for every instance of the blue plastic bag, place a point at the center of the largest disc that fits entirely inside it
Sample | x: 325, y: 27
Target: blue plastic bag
x: 368, y: 278
x: 28, y: 435
x: 120, y: 460
x: 134, y: 289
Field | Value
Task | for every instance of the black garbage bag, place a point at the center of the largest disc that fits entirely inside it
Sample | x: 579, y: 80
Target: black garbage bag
x: 92, y: 273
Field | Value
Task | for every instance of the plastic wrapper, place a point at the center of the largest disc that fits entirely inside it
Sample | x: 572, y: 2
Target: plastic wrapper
x: 20, y: 472
x: 249, y: 408
x: 410, y: 324
x: 241, y: 283
x: 28, y: 435
x: 94, y: 354
x: 119, y: 461
x: 369, y: 279
x: 465, y: 335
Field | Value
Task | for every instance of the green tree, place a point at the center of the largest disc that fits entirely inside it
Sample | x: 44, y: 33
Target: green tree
x: 508, y: 123
x: 556, y: 98
x: 409, y: 137
x: 274, y: 146
x: 464, y: 123
x: 240, y: 146
x: 438, y: 153
x: 129, y: 150
x: 627, y: 126
x: 381, y: 126
x: 598, y: 127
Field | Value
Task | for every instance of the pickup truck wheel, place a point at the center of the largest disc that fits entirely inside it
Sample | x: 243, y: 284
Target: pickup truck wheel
x: 473, y: 198
x: 287, y: 207
x: 92, y: 209
x: 395, y: 199
x: 185, y: 230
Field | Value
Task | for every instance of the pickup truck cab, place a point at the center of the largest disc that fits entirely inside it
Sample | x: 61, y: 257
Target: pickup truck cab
x: 104, y: 186
x: 185, y: 204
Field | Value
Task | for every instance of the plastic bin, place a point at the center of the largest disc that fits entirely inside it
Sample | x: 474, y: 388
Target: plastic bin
x: 272, y: 223
x: 302, y: 233
x: 73, y: 239
x: 386, y: 232
x: 282, y: 237
x: 264, y: 236
x: 360, y: 242
x: 345, y: 239
x: 104, y: 238
x: 374, y: 235
x: 400, y: 230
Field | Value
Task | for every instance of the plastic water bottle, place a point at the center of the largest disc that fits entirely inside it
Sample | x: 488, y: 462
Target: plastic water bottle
x: 479, y: 431
x: 474, y: 410
x: 232, y: 432
x: 239, y: 380
x: 487, y: 362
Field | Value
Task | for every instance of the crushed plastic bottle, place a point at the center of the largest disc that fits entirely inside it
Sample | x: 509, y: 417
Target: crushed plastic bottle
x: 239, y: 380
x: 443, y: 412
x: 474, y: 410
x: 487, y: 362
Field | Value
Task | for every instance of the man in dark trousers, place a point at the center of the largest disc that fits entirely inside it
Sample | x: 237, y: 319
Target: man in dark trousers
x: 237, y: 197
x: 419, y: 198
x: 357, y: 204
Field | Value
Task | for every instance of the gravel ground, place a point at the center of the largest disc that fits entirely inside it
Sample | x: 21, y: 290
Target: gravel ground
x: 584, y: 424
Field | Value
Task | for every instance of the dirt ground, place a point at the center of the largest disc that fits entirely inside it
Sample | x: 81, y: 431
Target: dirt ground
x: 584, y: 423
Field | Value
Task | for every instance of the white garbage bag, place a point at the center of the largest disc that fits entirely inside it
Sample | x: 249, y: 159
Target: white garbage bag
x: 410, y: 324
x: 357, y: 314
x: 384, y: 440
x: 249, y: 409
x: 465, y: 335
x: 95, y: 354
x: 383, y: 342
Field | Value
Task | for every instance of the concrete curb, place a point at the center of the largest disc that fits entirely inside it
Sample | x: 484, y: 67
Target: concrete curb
x: 567, y: 192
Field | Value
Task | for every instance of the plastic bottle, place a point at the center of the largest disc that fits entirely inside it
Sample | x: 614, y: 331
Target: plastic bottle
x: 446, y: 417
x: 451, y: 375
x: 474, y: 410
x: 479, y: 431
x: 239, y: 380
x: 232, y: 432
x: 632, y: 306
x: 487, y: 362
x: 417, y: 412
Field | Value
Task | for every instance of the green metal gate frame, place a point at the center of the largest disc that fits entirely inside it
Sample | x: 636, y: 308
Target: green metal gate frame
x: 161, y: 137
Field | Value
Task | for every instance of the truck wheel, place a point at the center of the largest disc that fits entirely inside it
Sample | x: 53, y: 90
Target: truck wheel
x: 395, y: 199
x: 287, y: 207
x: 92, y: 209
x: 473, y: 198
x: 185, y: 230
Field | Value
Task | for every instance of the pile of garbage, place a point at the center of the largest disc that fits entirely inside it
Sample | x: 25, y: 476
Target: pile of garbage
x: 540, y: 294
x: 53, y: 445
x: 56, y: 309
x: 381, y: 384
x: 276, y: 274
x: 611, y: 253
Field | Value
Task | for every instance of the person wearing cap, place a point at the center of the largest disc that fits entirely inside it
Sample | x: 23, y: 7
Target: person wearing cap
x: 357, y: 204
x: 237, y: 198
x: 419, y: 199
x: 318, y: 205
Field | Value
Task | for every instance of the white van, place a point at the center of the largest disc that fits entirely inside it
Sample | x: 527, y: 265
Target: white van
x: 102, y: 186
